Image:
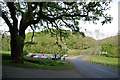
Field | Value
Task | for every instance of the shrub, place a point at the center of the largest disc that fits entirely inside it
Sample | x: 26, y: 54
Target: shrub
x: 6, y: 57
x: 44, y: 62
x: 109, y: 50
x: 107, y: 46
x: 113, y: 52
x: 25, y: 52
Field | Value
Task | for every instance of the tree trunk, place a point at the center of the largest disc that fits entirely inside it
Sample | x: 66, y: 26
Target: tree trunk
x: 17, y: 44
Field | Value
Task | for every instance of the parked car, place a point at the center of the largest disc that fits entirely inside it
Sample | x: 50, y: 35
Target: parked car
x: 57, y: 57
x: 48, y: 56
x: 30, y: 55
x: 60, y: 55
x: 42, y: 54
x: 65, y: 55
x: 44, y: 57
x: 37, y: 56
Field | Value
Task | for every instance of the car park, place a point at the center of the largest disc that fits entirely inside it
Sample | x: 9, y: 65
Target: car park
x: 31, y: 55
x: 44, y: 57
x: 65, y: 55
x: 42, y: 54
x: 48, y: 56
x: 37, y: 56
x: 57, y: 57
x: 61, y: 55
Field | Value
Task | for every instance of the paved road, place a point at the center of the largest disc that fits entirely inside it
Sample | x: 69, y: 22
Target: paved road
x: 82, y: 70
x: 89, y: 70
x: 15, y: 72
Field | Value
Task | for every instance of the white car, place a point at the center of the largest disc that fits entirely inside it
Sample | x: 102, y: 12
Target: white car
x: 37, y: 56
x: 65, y: 55
x: 46, y: 57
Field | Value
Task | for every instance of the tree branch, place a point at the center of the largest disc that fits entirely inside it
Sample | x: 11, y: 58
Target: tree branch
x: 66, y: 23
x: 32, y: 34
x: 6, y: 20
x: 69, y: 3
x: 38, y: 18
x: 50, y: 29
x: 13, y: 13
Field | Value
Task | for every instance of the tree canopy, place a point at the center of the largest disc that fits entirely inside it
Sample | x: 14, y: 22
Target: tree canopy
x: 57, y: 15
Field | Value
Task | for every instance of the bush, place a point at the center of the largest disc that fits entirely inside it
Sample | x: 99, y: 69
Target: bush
x: 109, y: 50
x: 6, y: 57
x: 44, y: 62
x: 25, y: 52
x: 112, y: 52
x: 107, y: 46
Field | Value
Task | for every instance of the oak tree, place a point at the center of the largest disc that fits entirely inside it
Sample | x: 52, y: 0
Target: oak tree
x: 57, y: 15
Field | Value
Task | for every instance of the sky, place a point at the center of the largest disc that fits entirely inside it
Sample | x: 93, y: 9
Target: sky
x: 97, y: 31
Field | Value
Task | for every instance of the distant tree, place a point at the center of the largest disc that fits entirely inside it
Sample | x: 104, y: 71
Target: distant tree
x: 55, y: 14
x: 110, y: 48
x: 106, y: 46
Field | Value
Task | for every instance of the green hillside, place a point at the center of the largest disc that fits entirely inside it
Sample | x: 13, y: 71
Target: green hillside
x: 45, y: 42
x: 110, y: 46
x: 113, y: 39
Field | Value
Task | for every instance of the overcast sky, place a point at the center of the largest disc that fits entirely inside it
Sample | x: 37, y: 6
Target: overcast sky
x: 97, y: 31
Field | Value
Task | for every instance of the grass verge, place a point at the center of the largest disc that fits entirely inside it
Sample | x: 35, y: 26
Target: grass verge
x: 104, y: 61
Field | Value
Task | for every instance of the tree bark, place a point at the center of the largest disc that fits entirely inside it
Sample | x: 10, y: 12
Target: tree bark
x: 17, y: 43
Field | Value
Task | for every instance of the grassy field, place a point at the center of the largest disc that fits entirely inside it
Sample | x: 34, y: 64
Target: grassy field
x: 37, y: 63
x: 104, y: 61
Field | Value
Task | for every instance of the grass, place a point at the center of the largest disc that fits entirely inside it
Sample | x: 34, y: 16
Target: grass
x: 5, y: 52
x: 76, y: 52
x: 104, y: 61
x: 37, y: 63
x: 86, y: 51
x: 73, y: 52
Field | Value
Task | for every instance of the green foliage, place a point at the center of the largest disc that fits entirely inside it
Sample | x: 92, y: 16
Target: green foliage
x: 30, y: 43
x: 43, y: 42
x: 25, y: 52
x: 85, y: 46
x: 113, y: 52
x: 44, y: 62
x: 107, y: 46
x: 113, y: 39
x: 110, y: 49
x: 6, y: 43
